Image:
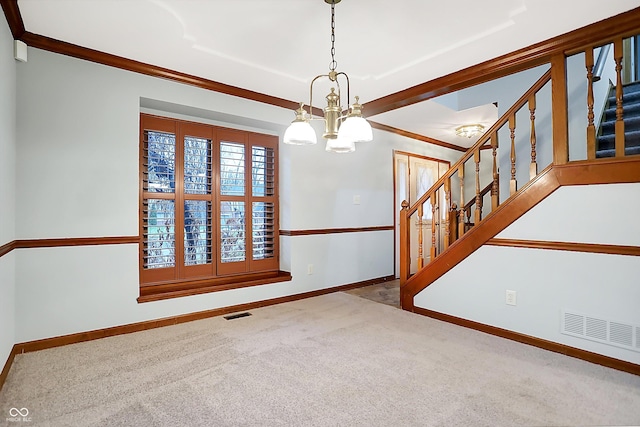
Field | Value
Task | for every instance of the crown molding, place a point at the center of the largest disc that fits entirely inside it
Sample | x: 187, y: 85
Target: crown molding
x: 622, y: 25
x: 14, y: 18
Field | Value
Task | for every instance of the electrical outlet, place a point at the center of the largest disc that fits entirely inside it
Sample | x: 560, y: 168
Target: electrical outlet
x: 310, y: 269
x: 356, y: 200
x: 511, y: 297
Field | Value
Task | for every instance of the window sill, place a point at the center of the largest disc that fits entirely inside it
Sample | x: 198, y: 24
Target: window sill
x: 195, y: 287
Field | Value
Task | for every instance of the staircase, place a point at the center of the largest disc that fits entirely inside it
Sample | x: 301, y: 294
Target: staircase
x: 631, y: 116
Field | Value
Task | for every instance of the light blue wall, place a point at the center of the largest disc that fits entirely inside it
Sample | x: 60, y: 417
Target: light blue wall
x: 7, y: 189
x: 601, y: 286
x: 77, y: 176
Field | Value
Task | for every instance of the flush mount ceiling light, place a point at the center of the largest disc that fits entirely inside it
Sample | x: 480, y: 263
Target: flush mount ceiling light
x: 469, y: 131
x: 341, y: 131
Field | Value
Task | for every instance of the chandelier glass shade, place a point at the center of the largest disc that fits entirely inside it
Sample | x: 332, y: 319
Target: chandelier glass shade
x: 340, y: 145
x: 342, y: 131
x: 300, y: 131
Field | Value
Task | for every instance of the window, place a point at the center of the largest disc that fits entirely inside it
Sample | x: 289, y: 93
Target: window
x: 208, y: 204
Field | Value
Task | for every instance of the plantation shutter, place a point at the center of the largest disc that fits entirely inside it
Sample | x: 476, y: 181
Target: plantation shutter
x: 264, y: 203
x: 197, y: 234
x: 158, y: 219
x: 208, y: 205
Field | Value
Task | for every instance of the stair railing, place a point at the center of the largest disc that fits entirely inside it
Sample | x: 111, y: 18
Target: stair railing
x: 451, y: 220
x: 593, y: 71
x: 436, y: 205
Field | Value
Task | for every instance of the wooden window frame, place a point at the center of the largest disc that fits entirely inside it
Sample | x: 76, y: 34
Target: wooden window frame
x: 182, y: 280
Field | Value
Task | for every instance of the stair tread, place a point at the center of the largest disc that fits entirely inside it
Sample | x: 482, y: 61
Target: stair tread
x: 631, y: 87
x: 627, y: 133
x: 626, y: 120
x: 607, y: 142
x: 630, y: 117
x: 630, y: 97
x: 611, y: 152
x: 626, y: 109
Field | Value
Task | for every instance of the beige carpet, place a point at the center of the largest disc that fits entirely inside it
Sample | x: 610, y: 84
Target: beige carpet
x: 334, y: 360
x: 384, y: 293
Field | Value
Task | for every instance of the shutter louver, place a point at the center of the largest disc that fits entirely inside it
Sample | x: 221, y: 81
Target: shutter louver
x: 232, y: 181
x: 263, y: 171
x: 232, y: 232
x: 159, y: 162
x: 263, y: 230
x: 159, y: 233
x: 197, y: 232
x: 197, y: 165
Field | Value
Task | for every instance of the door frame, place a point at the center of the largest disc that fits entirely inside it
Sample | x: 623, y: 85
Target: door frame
x: 396, y: 211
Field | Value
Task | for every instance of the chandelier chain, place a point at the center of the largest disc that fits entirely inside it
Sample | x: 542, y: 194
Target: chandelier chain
x: 333, y: 64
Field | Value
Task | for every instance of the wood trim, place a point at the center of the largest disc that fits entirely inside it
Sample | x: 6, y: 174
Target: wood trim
x: 567, y: 246
x: 418, y: 156
x: 417, y: 136
x: 183, y: 288
x: 513, y: 208
x: 8, y: 247
x: 600, y: 171
x: 76, y: 241
x: 14, y: 18
x: 620, y: 25
x: 610, y: 362
x: 560, y: 113
x: 75, y: 51
x: 7, y: 366
x: 335, y: 230
x: 507, y: 117
x: 586, y: 172
x: 531, y: 56
x: 42, y: 344
x: 71, y: 241
x: 540, y: 53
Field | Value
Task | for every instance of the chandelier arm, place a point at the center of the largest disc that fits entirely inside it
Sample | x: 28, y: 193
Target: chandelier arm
x: 348, y: 95
x: 311, y: 94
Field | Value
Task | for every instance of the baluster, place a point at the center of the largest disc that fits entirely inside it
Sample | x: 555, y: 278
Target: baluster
x: 617, y: 53
x: 513, y: 187
x: 434, y: 202
x: 533, y: 167
x: 559, y: 102
x: 591, y: 129
x: 478, y: 212
x: 405, y: 260
x: 495, y: 187
x: 461, y: 215
x: 447, y: 202
x: 419, y: 223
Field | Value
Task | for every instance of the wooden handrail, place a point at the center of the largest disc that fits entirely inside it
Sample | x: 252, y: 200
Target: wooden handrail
x: 482, y: 140
x: 441, y: 190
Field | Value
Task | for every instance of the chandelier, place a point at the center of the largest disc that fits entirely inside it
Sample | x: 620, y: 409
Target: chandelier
x: 341, y: 131
x: 469, y: 131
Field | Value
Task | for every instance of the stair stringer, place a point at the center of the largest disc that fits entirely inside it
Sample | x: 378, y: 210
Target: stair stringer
x: 602, y: 171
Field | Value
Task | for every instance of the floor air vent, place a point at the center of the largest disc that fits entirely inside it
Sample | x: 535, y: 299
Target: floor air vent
x: 601, y: 330
x: 237, y: 316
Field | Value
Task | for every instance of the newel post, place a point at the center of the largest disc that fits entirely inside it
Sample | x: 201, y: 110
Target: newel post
x: 559, y: 105
x: 404, y: 243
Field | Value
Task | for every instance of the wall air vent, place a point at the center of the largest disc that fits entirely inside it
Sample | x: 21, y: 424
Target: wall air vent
x: 618, y: 334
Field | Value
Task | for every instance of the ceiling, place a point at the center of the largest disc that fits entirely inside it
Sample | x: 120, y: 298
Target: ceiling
x: 276, y: 47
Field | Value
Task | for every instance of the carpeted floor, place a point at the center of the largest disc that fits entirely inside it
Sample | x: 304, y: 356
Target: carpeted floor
x: 333, y: 360
x: 384, y: 293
